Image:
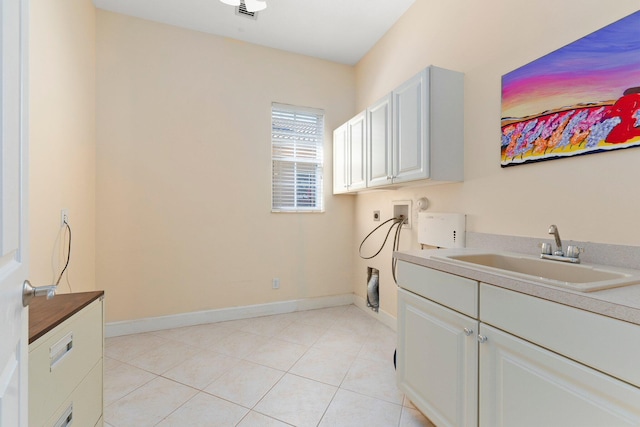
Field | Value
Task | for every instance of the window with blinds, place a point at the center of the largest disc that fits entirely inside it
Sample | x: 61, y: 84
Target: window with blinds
x: 297, y: 140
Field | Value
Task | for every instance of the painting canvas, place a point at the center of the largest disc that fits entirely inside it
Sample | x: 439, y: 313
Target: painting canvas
x: 583, y: 98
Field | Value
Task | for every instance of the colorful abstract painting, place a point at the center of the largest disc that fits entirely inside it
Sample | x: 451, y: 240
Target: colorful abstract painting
x: 583, y: 98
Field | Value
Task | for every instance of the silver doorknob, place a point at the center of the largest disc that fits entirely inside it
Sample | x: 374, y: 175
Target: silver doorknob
x: 468, y: 331
x: 482, y: 338
x: 30, y: 292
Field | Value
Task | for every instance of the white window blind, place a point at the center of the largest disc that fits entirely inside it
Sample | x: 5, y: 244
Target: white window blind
x: 297, y: 142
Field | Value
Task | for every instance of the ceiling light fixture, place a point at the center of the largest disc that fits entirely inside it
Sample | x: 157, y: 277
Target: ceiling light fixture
x: 250, y: 5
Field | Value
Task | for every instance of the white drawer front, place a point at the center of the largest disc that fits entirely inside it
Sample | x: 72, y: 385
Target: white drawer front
x: 606, y: 344
x: 452, y: 291
x: 60, y: 360
x: 84, y: 406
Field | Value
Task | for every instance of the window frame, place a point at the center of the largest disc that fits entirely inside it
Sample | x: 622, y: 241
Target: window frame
x: 297, y: 153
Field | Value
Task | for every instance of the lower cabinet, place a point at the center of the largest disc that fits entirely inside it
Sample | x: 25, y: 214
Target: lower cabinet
x: 437, y: 360
x: 522, y: 384
x: 515, y: 364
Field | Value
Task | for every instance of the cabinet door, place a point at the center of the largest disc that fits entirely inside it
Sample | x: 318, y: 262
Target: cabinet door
x: 410, y: 133
x: 379, y: 169
x: 340, y: 135
x: 524, y: 385
x: 357, y: 178
x: 437, y: 360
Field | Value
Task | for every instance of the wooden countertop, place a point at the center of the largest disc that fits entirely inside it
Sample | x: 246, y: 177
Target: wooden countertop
x: 44, y: 314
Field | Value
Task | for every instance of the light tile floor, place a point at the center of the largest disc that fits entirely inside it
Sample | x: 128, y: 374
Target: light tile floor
x: 328, y: 367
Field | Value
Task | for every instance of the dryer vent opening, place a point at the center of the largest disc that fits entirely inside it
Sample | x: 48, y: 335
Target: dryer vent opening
x: 373, y: 294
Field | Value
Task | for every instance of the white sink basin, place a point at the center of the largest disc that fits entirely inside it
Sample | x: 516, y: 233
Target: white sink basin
x: 582, y: 277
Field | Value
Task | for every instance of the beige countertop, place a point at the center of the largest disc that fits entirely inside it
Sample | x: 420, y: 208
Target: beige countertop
x: 621, y: 303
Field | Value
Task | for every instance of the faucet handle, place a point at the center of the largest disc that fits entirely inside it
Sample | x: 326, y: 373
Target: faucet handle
x: 545, y: 248
x: 574, y: 251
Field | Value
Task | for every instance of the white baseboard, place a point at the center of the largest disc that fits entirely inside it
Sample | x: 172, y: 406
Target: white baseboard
x: 381, y: 315
x: 128, y: 327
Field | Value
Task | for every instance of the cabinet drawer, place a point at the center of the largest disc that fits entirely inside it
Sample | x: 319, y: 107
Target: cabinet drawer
x: 452, y: 291
x: 84, y: 406
x: 60, y: 360
x: 606, y: 344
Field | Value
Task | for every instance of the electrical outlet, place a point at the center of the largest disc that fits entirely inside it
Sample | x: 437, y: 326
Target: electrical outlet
x: 275, y: 283
x: 376, y: 215
x: 64, y: 217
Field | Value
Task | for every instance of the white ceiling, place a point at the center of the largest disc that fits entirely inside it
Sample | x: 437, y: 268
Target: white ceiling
x: 337, y: 30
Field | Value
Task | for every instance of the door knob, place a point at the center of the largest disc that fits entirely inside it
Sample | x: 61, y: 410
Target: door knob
x: 30, y: 292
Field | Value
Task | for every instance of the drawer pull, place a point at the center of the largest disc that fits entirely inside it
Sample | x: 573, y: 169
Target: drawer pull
x: 468, y: 331
x: 60, y: 349
x: 67, y: 418
x: 482, y: 339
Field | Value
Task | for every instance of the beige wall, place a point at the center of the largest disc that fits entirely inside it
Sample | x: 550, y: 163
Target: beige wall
x: 62, y: 140
x: 182, y: 189
x: 183, y: 173
x: 590, y: 198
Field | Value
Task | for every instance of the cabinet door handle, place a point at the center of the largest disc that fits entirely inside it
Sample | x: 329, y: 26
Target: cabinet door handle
x: 468, y: 332
x: 482, y: 338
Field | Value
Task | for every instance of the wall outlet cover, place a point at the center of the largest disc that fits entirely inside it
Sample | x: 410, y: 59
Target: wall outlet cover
x: 403, y: 208
x: 64, y: 217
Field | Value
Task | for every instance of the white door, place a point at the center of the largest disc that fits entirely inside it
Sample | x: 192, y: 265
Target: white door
x: 379, y: 168
x: 438, y: 360
x: 410, y: 134
x: 13, y: 208
x: 357, y: 151
x: 524, y: 385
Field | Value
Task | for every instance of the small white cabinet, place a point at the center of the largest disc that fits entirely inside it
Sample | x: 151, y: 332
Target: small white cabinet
x: 349, y: 151
x: 437, y: 353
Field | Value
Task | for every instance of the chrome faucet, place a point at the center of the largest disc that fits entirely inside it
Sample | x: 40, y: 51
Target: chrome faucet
x: 573, y: 252
x: 554, y: 230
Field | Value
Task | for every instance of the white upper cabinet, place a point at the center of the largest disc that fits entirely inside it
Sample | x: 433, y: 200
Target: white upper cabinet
x: 410, y: 150
x: 379, y: 143
x: 428, y: 127
x: 415, y: 133
x: 357, y: 153
x: 349, y: 153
